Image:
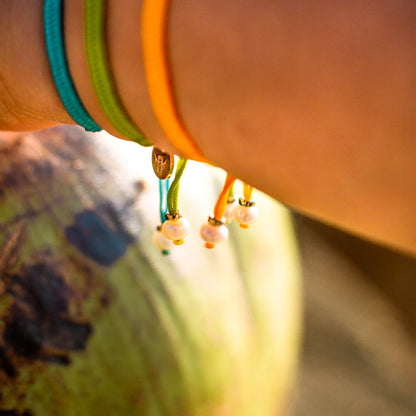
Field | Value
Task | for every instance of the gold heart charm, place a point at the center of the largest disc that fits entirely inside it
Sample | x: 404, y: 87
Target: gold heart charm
x: 163, y: 163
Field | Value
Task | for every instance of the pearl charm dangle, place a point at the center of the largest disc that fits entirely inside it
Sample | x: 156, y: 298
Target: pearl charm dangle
x: 228, y: 212
x: 176, y: 228
x: 214, y: 232
x: 245, y: 213
x: 161, y: 242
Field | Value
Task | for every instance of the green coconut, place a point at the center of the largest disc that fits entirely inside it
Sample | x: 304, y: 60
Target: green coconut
x: 95, y: 320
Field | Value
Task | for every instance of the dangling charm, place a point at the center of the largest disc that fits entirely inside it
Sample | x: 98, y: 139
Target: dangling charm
x: 163, y: 163
x: 215, y: 231
x: 246, y: 212
x: 161, y: 242
x: 176, y: 227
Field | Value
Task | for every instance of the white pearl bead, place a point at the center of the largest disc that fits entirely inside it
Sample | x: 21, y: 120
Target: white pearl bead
x: 161, y: 242
x: 245, y: 215
x: 214, y: 234
x: 228, y: 213
x: 176, y: 229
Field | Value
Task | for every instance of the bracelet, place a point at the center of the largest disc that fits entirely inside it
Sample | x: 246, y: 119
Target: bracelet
x: 154, y: 25
x: 154, y: 28
x: 174, y: 227
x: 53, y: 17
x: 94, y: 16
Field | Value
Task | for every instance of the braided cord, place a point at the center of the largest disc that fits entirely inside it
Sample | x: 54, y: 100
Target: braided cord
x: 174, y: 187
x: 94, y: 16
x: 53, y: 24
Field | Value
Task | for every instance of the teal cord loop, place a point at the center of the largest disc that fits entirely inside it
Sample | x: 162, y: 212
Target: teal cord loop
x: 163, y: 205
x: 163, y: 191
x: 174, y: 187
x: 53, y: 18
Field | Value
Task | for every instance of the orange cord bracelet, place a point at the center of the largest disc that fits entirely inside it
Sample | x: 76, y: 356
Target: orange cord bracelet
x: 157, y: 69
x: 159, y: 82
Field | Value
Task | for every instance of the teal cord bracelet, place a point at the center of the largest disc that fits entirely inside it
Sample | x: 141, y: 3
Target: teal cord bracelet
x: 94, y: 19
x: 53, y: 16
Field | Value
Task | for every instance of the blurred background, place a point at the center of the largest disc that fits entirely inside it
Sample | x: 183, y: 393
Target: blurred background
x: 359, y: 347
x: 358, y: 355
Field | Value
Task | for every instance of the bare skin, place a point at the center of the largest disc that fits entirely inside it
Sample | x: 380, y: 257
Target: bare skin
x: 313, y: 103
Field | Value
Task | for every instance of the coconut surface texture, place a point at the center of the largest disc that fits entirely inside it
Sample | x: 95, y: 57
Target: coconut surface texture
x: 96, y: 321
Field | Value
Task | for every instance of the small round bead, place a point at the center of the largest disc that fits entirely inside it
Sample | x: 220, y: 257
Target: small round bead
x: 213, y: 234
x: 176, y: 230
x: 228, y: 213
x: 245, y: 215
x: 161, y: 242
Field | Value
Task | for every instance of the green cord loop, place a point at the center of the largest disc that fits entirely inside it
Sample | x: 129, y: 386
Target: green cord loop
x: 173, y: 192
x: 231, y: 191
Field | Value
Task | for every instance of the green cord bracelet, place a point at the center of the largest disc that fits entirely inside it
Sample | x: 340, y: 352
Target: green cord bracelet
x: 94, y: 15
